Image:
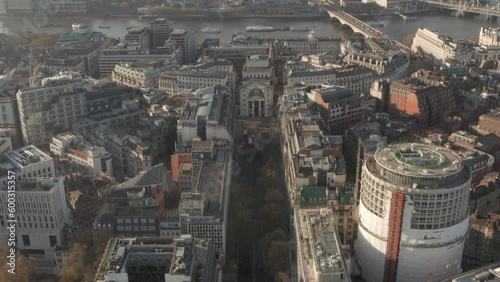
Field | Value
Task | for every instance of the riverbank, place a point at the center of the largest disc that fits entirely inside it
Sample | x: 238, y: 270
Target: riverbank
x: 178, y: 17
x: 223, y: 16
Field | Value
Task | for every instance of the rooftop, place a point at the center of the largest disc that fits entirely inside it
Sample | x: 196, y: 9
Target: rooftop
x: 320, y: 245
x: 212, y: 104
x: 464, y: 136
x: 153, y: 176
x: 313, y: 196
x: 257, y: 57
x: 195, y: 73
x: 491, y: 219
x: 165, y: 257
x: 331, y: 93
x: 419, y: 159
x: 345, y: 196
x: 210, y: 182
x: 186, y: 168
x: 212, y: 63
x: 489, y: 272
x: 367, y: 131
x: 41, y: 184
x: 81, y: 36
x: 66, y: 136
x: 192, y: 200
x: 202, y: 146
x: 149, y: 64
x: 310, y: 136
x: 136, y: 29
x: 494, y: 114
x: 179, y: 31
x: 160, y: 20
x: 488, y: 143
x: 26, y: 156
x: 137, y: 211
x: 310, y: 72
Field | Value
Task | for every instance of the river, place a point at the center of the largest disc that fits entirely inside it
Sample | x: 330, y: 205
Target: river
x: 460, y: 28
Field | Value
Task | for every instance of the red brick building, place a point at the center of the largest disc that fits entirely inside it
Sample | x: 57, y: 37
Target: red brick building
x: 176, y: 160
x: 340, y: 107
x: 430, y: 105
x: 428, y: 102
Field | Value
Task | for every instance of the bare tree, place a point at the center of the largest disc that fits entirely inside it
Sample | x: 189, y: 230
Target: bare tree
x: 23, y: 267
x: 77, y: 265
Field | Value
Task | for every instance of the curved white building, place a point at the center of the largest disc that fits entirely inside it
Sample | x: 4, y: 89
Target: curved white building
x: 413, y: 214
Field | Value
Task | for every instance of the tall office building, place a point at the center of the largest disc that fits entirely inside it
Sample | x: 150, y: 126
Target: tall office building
x: 10, y: 118
x: 185, y: 40
x: 441, y: 47
x: 161, y: 29
x: 489, y: 36
x: 158, y: 259
x: 42, y: 214
x: 204, y: 212
x: 28, y: 163
x: 49, y: 110
x: 138, y: 38
x: 413, y: 214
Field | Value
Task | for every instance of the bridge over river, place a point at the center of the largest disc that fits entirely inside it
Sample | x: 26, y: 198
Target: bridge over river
x: 361, y: 27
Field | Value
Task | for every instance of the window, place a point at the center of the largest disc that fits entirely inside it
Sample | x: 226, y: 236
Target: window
x: 53, y: 240
x: 26, y: 240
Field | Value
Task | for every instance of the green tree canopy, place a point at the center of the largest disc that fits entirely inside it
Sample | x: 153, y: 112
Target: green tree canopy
x: 278, y: 257
x: 276, y: 235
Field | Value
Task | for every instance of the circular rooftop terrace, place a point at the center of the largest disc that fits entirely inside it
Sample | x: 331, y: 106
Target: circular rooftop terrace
x: 419, y: 159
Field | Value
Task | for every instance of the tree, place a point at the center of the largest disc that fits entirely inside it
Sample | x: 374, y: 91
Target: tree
x: 83, y: 237
x: 278, y: 257
x: 273, y: 213
x: 44, y: 40
x: 245, y: 226
x: 23, y: 267
x: 408, y: 40
x: 281, y: 277
x: 277, y: 235
x: 77, y: 265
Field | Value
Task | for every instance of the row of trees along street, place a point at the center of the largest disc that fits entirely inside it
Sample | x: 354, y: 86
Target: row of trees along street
x: 259, y: 219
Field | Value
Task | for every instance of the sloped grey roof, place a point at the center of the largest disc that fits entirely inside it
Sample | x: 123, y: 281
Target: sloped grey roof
x: 153, y: 176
